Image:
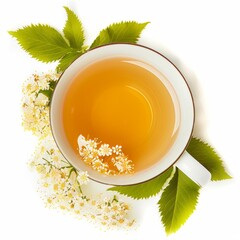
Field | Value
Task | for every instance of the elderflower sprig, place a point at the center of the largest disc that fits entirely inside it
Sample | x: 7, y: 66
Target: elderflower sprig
x: 35, y: 103
x: 61, y: 184
x: 103, y: 158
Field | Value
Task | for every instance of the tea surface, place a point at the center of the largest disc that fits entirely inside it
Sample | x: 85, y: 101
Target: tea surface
x: 121, y: 101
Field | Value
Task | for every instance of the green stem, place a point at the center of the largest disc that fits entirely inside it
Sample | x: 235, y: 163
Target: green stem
x: 115, y: 199
x: 79, y: 187
x: 51, y: 165
x: 65, y: 167
x: 70, y: 172
x: 65, y: 161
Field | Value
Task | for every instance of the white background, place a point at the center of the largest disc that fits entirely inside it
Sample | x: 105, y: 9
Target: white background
x: 201, y: 38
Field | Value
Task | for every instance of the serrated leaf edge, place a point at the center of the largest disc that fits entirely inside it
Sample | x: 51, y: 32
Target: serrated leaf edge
x: 68, y: 9
x: 219, y: 157
x: 153, y: 195
x: 114, y: 24
x: 193, y: 209
x: 12, y: 34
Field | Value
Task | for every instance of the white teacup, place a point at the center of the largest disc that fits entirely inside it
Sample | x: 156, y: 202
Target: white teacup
x: 177, y: 153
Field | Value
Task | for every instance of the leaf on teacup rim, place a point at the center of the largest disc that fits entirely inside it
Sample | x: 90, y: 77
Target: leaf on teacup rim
x: 67, y: 60
x: 145, y: 189
x: 125, y: 32
x: 208, y: 157
x: 178, y: 201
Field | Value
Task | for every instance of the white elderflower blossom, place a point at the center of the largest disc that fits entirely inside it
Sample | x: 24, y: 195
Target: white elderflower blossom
x: 83, y: 178
x: 117, y: 149
x: 91, y: 144
x: 43, y: 81
x: 105, y: 150
x: 35, y: 104
x: 123, y: 164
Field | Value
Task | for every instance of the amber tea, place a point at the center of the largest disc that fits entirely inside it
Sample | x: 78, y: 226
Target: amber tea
x: 122, y: 102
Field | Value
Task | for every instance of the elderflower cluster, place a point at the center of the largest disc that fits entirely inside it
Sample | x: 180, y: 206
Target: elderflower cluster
x: 109, y: 211
x: 103, y: 158
x: 60, y: 184
x: 61, y: 187
x: 35, y: 103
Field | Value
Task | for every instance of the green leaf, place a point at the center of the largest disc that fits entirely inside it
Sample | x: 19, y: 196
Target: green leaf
x: 146, y: 189
x: 67, y: 60
x: 207, y: 156
x: 73, y: 30
x: 49, y: 92
x: 42, y: 42
x: 127, y: 32
x: 178, y: 201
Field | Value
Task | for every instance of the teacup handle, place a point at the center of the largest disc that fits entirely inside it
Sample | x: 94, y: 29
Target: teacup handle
x: 193, y: 169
